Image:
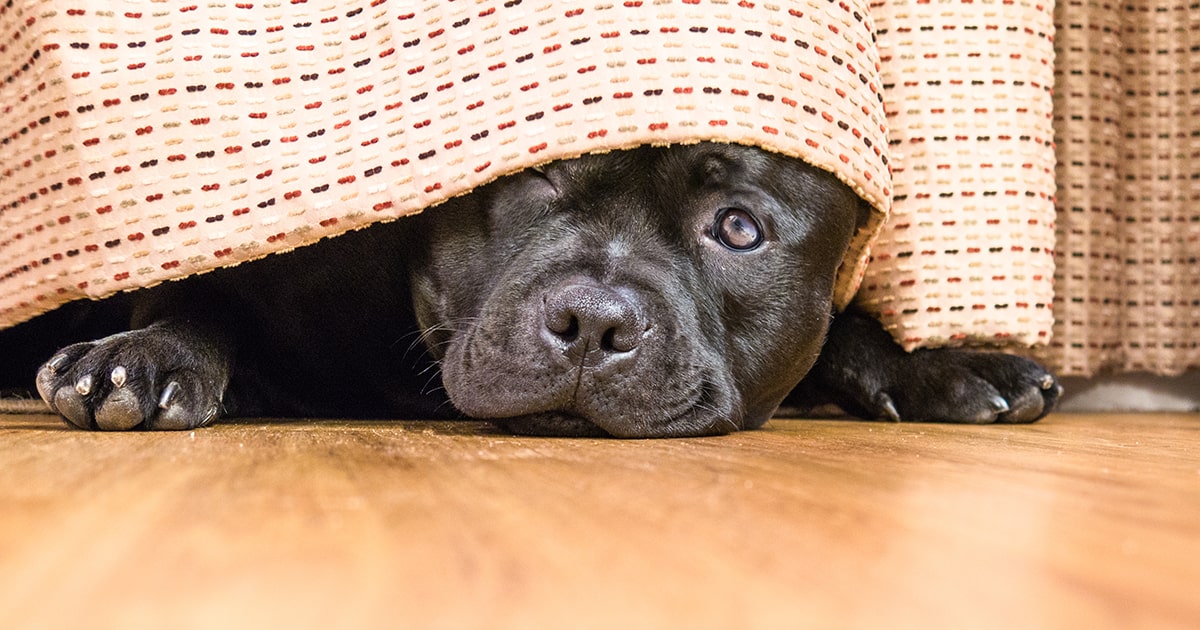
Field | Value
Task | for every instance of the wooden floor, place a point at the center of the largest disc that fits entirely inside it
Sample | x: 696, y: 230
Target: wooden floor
x: 1075, y: 522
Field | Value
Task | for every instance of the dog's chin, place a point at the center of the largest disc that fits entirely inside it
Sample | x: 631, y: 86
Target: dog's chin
x: 552, y: 425
x: 562, y: 424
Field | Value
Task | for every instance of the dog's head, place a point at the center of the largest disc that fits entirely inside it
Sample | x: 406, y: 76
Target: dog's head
x: 652, y: 292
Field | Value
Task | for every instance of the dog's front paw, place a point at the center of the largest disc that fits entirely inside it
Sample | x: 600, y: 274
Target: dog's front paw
x: 862, y: 370
x: 149, y: 378
x: 944, y: 385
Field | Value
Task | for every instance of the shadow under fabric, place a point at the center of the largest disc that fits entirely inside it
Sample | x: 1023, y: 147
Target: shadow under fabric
x: 144, y: 145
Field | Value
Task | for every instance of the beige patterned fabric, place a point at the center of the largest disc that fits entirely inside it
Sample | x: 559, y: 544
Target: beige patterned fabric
x: 967, y: 257
x: 144, y: 141
x: 1128, y: 131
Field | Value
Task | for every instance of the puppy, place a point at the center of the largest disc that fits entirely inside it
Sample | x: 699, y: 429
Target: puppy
x: 654, y: 292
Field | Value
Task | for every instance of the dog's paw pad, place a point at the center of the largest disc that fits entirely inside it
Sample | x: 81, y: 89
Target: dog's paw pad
x: 120, y: 410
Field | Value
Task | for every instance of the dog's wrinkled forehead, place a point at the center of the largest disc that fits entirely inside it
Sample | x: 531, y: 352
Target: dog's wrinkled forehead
x: 659, y: 169
x: 667, y: 177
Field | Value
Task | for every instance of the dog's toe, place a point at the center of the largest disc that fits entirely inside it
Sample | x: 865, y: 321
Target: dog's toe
x: 71, y: 406
x: 121, y: 410
x: 950, y: 395
x: 65, y: 389
x: 54, y: 374
x: 1031, y: 399
x: 184, y: 406
x: 983, y: 408
x: 1030, y: 391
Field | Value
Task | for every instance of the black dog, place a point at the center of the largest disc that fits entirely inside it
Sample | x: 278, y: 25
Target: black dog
x: 646, y: 293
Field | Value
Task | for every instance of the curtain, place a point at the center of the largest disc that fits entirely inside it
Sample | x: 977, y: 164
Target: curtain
x: 1066, y: 219
x: 967, y: 254
x: 1127, y: 129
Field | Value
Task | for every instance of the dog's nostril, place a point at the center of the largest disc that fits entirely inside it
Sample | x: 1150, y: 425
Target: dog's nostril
x: 561, y: 320
x: 589, y: 318
x: 568, y: 333
x: 608, y: 341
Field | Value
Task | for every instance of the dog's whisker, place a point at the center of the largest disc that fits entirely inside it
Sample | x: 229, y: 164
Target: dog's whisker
x: 411, y: 333
x: 432, y: 385
x: 436, y: 368
x: 453, y: 327
x: 444, y: 404
x: 419, y: 337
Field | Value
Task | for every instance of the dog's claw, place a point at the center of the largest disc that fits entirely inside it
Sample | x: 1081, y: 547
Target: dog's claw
x: 887, y: 407
x: 118, y: 376
x: 210, y: 416
x: 168, y: 395
x: 84, y: 385
x: 1048, y: 382
x: 56, y: 363
x: 999, y: 404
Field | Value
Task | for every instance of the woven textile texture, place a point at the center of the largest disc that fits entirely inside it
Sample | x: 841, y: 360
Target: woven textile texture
x: 1127, y: 117
x: 143, y: 141
x: 967, y: 256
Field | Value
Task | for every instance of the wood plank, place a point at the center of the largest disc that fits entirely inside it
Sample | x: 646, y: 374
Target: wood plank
x: 1078, y: 521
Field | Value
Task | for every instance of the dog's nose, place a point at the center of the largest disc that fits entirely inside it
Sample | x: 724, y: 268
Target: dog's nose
x: 591, y: 322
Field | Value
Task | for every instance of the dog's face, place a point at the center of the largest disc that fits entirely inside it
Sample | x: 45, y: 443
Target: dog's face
x: 646, y: 293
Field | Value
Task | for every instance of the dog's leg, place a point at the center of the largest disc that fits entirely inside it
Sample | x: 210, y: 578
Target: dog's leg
x: 170, y: 374
x: 864, y: 371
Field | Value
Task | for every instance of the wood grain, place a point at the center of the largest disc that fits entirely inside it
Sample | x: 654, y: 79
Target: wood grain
x: 1077, y: 521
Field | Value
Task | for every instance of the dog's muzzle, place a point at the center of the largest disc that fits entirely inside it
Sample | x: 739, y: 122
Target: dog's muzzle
x: 587, y: 358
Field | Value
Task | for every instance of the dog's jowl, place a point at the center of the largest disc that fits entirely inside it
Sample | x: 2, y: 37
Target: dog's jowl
x: 653, y: 292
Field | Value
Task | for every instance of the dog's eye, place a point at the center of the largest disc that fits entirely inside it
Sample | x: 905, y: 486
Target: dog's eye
x: 737, y: 229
